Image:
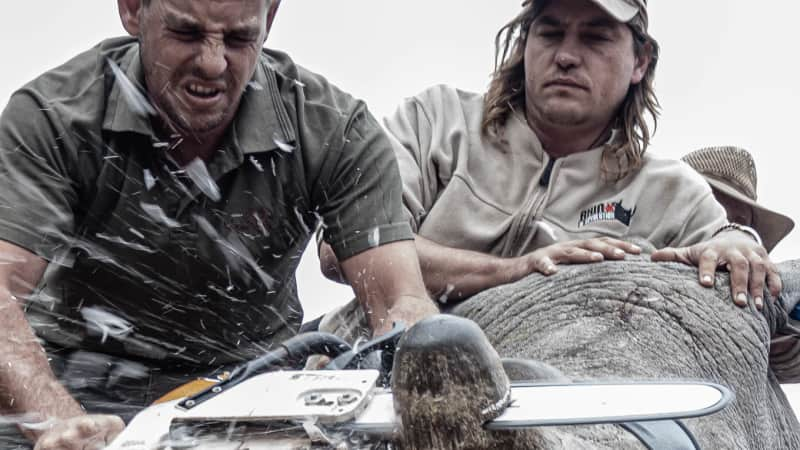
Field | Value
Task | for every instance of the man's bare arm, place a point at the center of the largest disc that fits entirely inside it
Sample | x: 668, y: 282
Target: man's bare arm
x: 388, y: 284
x: 28, y: 384
x: 443, y: 268
x: 454, y: 274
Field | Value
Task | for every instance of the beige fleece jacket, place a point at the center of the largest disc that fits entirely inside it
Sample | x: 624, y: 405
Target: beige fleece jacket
x: 498, y: 196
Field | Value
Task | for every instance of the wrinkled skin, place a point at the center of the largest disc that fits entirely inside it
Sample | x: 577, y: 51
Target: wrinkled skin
x: 635, y: 320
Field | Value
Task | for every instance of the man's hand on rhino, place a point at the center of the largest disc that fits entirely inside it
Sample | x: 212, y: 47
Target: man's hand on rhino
x: 746, y: 260
x: 81, y: 433
x: 546, y: 260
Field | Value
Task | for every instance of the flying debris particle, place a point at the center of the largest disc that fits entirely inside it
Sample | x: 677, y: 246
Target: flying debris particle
x: 374, y: 237
x: 31, y: 422
x: 272, y: 163
x: 176, y: 143
x: 301, y: 220
x: 102, y: 322
x: 299, y: 83
x: 156, y: 213
x: 282, y: 145
x: 198, y: 172
x: 443, y: 298
x: 160, y: 144
x: 235, y: 253
x: 10, y: 258
x: 124, y: 243
x: 255, y: 86
x: 230, y: 287
x: 261, y: 226
x: 133, y: 95
x: 320, y: 221
x: 128, y: 369
x: 136, y: 233
x: 225, y: 295
x: 256, y: 164
x: 149, y: 179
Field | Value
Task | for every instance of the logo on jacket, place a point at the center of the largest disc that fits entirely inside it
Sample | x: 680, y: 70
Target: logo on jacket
x: 605, y: 212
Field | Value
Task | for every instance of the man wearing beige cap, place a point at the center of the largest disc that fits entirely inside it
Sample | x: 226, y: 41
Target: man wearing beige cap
x: 731, y: 173
x: 548, y: 167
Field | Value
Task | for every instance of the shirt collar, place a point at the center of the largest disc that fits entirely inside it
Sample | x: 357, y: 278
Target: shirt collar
x: 120, y: 115
x: 262, y: 122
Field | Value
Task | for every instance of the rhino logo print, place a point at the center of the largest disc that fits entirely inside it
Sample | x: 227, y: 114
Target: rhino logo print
x: 622, y: 214
x: 606, y: 212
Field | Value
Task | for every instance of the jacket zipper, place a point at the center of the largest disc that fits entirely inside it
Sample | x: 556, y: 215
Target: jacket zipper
x: 531, y: 210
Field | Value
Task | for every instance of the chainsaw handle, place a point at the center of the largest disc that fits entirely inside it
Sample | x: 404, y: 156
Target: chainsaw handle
x: 292, y: 353
x: 386, y: 344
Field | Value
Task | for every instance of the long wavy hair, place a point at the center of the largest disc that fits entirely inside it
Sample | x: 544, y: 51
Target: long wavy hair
x: 507, y: 91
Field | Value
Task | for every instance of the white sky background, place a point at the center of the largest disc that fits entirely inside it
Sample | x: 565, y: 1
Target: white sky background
x: 727, y: 73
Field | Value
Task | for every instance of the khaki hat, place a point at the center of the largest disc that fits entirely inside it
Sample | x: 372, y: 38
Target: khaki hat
x: 622, y: 10
x: 732, y: 172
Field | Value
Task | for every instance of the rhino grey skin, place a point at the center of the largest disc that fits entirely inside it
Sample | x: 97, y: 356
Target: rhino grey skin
x: 637, y: 320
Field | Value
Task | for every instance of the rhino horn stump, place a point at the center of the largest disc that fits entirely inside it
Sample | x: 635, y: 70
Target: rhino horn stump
x: 447, y: 382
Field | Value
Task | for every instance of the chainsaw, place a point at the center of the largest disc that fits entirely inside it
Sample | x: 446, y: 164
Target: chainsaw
x: 349, y: 405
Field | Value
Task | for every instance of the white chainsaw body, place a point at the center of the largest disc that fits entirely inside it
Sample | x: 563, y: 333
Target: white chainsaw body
x: 294, y: 409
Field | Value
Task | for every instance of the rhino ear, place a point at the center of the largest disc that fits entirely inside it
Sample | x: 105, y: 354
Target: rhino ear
x: 534, y: 371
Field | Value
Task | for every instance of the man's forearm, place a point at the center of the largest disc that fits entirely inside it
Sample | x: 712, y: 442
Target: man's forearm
x: 388, y: 285
x: 28, y: 384
x: 449, y: 273
x: 453, y: 274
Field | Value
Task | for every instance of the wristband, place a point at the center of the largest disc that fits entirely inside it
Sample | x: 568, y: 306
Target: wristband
x: 739, y: 227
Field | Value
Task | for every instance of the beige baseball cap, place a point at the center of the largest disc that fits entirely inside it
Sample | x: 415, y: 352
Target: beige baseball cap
x: 731, y: 172
x: 622, y: 10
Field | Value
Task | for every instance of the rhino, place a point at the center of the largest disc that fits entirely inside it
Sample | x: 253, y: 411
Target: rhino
x: 630, y: 320
x: 638, y: 320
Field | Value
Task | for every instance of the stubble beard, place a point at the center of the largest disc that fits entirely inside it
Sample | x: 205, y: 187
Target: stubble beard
x: 184, y: 122
x: 562, y: 115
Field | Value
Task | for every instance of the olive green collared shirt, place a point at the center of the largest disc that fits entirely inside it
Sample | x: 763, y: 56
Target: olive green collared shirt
x: 190, y: 263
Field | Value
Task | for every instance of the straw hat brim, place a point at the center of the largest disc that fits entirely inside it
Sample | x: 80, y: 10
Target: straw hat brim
x: 770, y: 225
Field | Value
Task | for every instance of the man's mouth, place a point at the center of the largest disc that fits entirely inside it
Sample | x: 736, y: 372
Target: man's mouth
x: 565, y: 82
x: 204, y: 92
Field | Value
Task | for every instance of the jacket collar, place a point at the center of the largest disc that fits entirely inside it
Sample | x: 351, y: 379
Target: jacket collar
x: 520, y: 135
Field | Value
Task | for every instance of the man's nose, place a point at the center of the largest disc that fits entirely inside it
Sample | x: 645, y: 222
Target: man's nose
x: 568, y: 54
x: 212, y: 61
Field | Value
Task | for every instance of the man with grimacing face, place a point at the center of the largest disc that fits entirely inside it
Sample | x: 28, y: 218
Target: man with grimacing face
x: 548, y: 167
x: 197, y: 89
x: 157, y: 192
